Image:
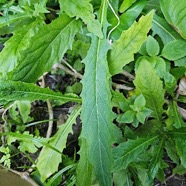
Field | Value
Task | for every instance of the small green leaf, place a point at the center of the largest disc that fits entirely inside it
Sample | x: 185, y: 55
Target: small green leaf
x: 58, y: 141
x: 84, y: 10
x: 174, y: 50
x: 148, y: 83
x: 129, y: 43
x: 127, y: 117
x: 152, y: 46
x: 12, y: 91
x: 127, y: 152
x: 139, y: 102
x: 175, y: 14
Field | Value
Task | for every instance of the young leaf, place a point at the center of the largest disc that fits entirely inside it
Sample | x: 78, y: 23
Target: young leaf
x: 175, y: 14
x: 14, y: 91
x: 174, y: 50
x: 84, y: 10
x: 152, y: 46
x: 58, y: 141
x: 41, y: 53
x: 129, y: 43
x: 127, y: 152
x: 148, y: 83
x: 16, y: 44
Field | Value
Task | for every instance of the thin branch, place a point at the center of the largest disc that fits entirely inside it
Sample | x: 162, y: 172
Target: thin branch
x: 122, y: 87
x: 67, y: 70
x: 128, y: 75
x: 51, y: 117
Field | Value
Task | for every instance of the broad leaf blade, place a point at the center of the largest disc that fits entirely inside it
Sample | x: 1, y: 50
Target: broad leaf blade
x: 174, y: 50
x: 16, y: 44
x: 13, y: 91
x: 164, y: 30
x: 96, y: 110
x: 42, y: 53
x: 84, y: 10
x: 175, y: 14
x: 44, y: 165
x: 148, y: 83
x: 127, y: 152
x: 129, y: 43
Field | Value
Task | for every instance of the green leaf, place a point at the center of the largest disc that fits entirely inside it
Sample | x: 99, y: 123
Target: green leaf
x: 139, y: 102
x: 164, y: 30
x: 41, y: 53
x: 127, y: 18
x: 96, y: 107
x: 181, y: 151
x: 96, y: 110
x: 174, y: 50
x: 175, y: 14
x: 155, y: 163
x: 13, y: 91
x: 16, y: 44
x: 152, y: 46
x: 127, y: 152
x: 84, y: 169
x: 129, y: 43
x: 58, y: 141
x: 84, y: 10
x: 148, y: 83
x: 174, y: 117
x: 125, y: 5
x: 127, y: 117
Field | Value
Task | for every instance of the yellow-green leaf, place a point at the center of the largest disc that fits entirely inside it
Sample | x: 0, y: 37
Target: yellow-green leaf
x: 129, y: 43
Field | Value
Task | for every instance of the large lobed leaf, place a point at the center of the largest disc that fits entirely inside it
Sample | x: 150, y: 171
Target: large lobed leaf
x: 175, y: 14
x: 84, y: 10
x: 58, y: 141
x: 148, y: 83
x: 127, y: 152
x: 129, y: 43
x: 13, y: 91
x: 47, y: 47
